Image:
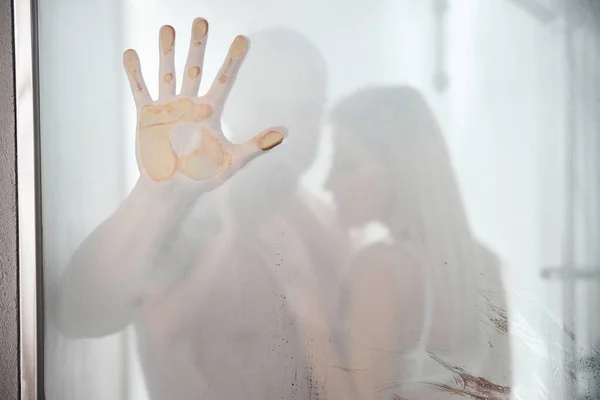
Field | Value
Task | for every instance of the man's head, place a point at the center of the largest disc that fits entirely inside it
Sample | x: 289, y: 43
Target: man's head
x: 282, y: 82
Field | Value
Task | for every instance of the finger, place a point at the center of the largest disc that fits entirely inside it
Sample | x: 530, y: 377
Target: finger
x: 195, y: 60
x: 166, y: 83
x: 131, y: 61
x: 226, y: 76
x: 259, y: 144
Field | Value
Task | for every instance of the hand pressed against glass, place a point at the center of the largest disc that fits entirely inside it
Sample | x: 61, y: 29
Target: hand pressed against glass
x: 179, y: 136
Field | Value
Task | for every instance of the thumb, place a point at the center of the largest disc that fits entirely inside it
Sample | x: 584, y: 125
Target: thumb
x: 261, y: 143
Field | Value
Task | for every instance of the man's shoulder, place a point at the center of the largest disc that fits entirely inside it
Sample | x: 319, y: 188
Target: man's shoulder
x: 319, y: 207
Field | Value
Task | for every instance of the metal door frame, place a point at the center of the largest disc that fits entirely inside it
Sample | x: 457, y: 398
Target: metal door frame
x: 28, y: 200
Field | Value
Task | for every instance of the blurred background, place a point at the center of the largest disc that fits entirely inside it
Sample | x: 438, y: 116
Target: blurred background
x: 514, y: 84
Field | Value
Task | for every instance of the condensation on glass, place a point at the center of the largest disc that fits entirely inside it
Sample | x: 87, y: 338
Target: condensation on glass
x: 426, y: 229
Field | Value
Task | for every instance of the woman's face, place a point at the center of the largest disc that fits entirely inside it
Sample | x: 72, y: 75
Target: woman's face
x: 359, y: 181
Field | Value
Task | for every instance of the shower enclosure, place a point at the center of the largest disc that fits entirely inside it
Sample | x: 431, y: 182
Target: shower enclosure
x: 512, y: 84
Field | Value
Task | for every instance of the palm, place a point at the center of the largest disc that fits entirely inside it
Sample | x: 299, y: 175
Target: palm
x: 180, y: 134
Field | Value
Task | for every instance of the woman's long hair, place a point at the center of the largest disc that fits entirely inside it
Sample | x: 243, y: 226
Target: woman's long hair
x: 395, y: 126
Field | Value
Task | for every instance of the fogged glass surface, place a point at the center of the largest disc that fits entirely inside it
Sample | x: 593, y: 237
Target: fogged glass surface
x: 427, y: 229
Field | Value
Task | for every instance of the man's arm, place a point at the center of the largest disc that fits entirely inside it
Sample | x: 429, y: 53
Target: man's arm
x: 112, y: 269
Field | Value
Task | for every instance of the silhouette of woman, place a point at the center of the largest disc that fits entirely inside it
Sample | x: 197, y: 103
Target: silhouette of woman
x: 428, y: 299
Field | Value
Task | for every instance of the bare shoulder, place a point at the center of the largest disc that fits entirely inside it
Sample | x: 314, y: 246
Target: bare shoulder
x: 321, y: 211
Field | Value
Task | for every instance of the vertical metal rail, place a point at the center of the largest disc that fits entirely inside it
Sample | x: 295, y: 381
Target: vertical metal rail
x: 29, y: 201
x: 441, y: 81
x: 568, y: 259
